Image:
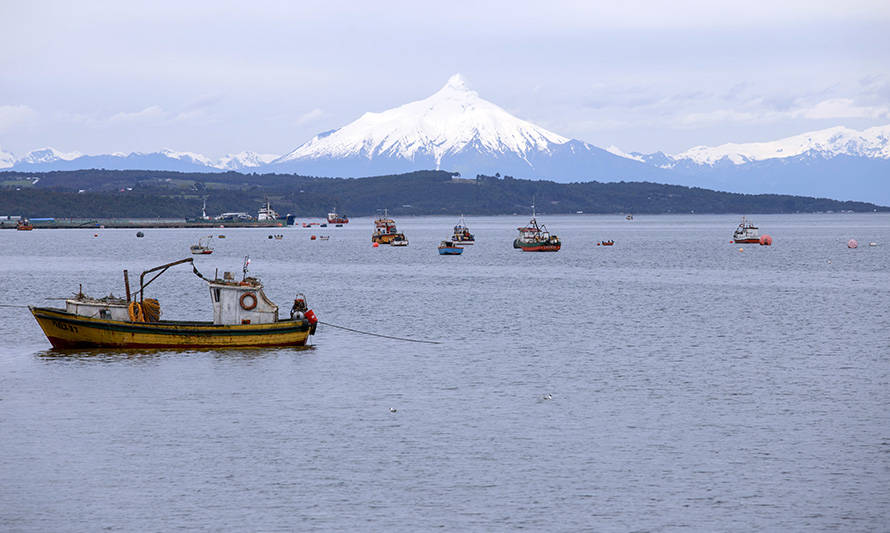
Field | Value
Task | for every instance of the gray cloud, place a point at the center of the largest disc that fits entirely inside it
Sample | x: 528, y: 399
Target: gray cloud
x: 167, y: 74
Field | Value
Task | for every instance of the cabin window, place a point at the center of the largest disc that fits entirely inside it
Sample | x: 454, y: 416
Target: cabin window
x: 216, y: 295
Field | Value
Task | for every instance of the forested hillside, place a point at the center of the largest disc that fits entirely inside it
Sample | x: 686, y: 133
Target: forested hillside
x: 104, y: 193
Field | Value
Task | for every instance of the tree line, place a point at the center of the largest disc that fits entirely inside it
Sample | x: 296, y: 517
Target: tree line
x: 150, y: 194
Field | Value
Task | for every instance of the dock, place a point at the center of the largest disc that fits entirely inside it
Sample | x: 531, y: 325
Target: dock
x: 141, y: 223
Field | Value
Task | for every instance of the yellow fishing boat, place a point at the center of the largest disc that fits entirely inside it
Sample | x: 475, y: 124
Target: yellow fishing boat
x: 242, y: 317
x: 385, y: 231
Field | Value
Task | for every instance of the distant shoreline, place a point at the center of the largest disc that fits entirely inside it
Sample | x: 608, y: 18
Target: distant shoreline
x: 130, y: 194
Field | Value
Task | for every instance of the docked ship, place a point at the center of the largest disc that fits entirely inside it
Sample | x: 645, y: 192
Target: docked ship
x: 746, y: 233
x: 267, y: 214
x: 462, y: 233
x: 334, y: 218
x: 243, y: 316
x: 536, y: 238
x: 385, y: 231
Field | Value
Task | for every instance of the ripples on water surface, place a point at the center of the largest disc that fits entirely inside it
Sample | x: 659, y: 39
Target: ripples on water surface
x: 693, y: 385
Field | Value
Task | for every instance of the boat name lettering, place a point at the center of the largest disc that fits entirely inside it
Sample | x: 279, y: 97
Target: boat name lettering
x: 66, y: 327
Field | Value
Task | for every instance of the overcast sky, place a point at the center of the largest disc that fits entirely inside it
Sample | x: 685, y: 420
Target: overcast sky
x: 217, y: 77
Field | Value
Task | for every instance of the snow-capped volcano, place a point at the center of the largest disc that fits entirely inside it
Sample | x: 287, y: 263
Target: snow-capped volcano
x: 871, y: 143
x: 446, y: 123
x: 454, y: 129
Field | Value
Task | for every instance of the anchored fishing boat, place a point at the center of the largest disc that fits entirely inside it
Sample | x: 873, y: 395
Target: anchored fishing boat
x: 746, y: 233
x: 385, y: 231
x: 535, y: 238
x: 334, y: 218
x: 23, y: 224
x: 203, y: 247
x: 242, y: 317
x: 462, y: 233
x: 449, y: 248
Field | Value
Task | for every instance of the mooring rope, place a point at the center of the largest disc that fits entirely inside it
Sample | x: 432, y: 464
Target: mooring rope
x: 377, y: 334
x: 10, y: 305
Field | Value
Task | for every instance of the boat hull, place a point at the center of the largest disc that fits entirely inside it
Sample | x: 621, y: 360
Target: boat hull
x: 537, y: 246
x: 748, y: 241
x: 541, y: 248
x: 67, y: 330
x: 451, y: 251
x: 387, y: 238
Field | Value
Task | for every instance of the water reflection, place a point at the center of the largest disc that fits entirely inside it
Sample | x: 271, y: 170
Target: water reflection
x: 115, y: 355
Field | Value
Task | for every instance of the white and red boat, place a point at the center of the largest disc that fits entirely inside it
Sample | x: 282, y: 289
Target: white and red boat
x: 203, y: 247
x: 334, y: 218
x: 746, y: 233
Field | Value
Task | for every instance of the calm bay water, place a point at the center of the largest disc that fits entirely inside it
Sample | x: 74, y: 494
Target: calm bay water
x: 693, y: 386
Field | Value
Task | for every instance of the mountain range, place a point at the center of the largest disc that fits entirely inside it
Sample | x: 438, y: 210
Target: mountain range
x: 457, y: 130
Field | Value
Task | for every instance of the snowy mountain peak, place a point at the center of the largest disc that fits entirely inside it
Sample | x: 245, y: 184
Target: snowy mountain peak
x: 243, y: 160
x: 7, y: 159
x: 187, y: 156
x: 47, y: 155
x: 456, y: 83
x: 451, y: 121
x: 872, y: 143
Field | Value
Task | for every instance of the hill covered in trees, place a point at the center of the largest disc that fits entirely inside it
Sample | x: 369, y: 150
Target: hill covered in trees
x: 139, y: 194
